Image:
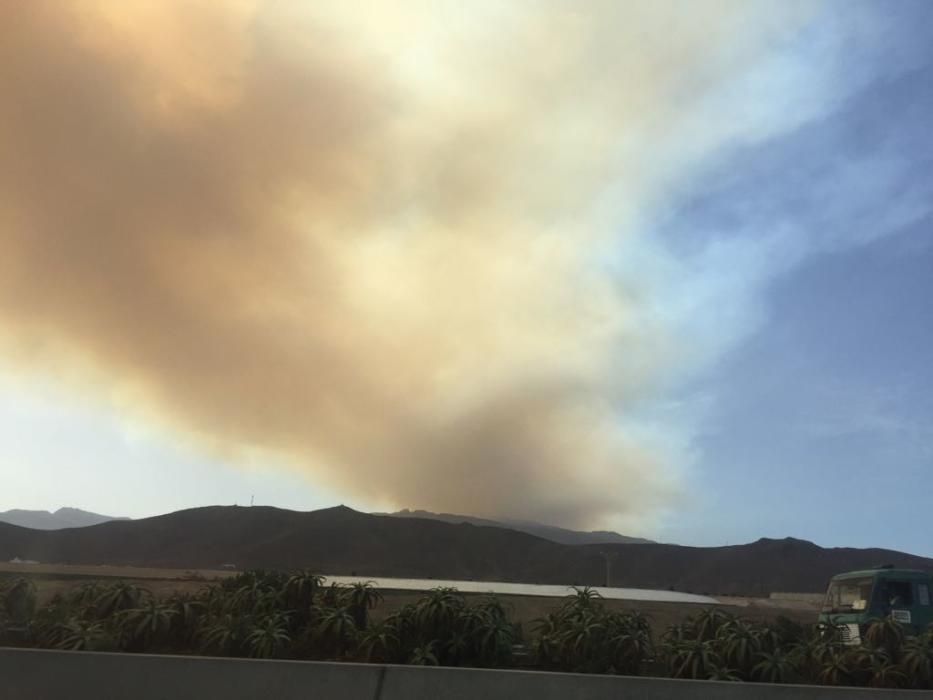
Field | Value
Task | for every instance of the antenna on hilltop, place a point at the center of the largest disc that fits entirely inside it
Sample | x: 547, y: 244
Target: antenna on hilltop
x: 251, y: 501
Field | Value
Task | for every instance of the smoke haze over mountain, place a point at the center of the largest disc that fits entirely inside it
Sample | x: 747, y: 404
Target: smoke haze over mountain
x: 375, y: 247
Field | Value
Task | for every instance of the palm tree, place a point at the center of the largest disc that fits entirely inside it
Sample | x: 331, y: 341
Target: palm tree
x: 879, y: 670
x: 694, y: 659
x: 19, y: 601
x: 787, y: 631
x: 740, y: 644
x: 886, y: 634
x: 189, y: 612
x: 774, y: 667
x: 458, y: 648
x: 148, y: 624
x: 225, y: 635
x: 264, y: 614
x: 118, y: 597
x: 918, y: 659
x: 424, y: 655
x: 300, y: 589
x: 405, y: 630
x: 361, y: 598
x: 581, y: 599
x: 255, y: 579
x: 86, y: 594
x: 435, y: 613
x: 837, y: 670
x: 722, y: 673
x: 335, y: 630
x: 676, y: 634
x: 629, y: 643
x: 334, y: 596
x: 380, y: 643
x: 269, y: 637
x: 48, y: 621
x: 811, y: 653
x: 548, y: 643
x: 769, y: 638
x: 484, y: 635
x: 492, y: 605
x: 82, y: 635
x: 583, y: 642
x: 252, y: 594
x: 637, y: 621
x: 582, y: 635
x: 708, y: 622
x: 212, y: 599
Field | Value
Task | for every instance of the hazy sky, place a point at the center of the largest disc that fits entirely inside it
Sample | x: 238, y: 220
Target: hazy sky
x: 663, y: 267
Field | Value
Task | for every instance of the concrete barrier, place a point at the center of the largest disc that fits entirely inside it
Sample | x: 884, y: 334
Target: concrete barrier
x: 407, y: 682
x: 29, y: 674
x: 40, y: 675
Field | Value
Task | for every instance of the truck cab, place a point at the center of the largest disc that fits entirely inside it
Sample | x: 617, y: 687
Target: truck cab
x: 856, y: 598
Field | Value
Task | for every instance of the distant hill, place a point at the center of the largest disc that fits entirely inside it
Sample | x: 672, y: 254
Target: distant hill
x: 59, y: 520
x: 343, y: 541
x: 548, y: 532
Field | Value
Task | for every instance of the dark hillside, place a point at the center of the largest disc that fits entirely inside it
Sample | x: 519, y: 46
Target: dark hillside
x: 757, y: 568
x: 549, y: 532
x: 335, y: 540
x: 343, y: 541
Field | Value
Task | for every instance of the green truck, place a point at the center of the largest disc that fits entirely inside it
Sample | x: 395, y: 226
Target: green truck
x: 855, y: 598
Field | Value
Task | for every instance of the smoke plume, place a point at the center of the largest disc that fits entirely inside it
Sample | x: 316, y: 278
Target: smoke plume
x: 367, y: 240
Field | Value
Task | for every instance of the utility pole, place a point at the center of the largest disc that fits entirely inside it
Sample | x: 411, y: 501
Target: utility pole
x: 608, y: 557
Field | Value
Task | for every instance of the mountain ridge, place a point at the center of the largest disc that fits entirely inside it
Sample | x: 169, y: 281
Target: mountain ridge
x: 65, y: 517
x: 560, y: 535
x: 343, y: 541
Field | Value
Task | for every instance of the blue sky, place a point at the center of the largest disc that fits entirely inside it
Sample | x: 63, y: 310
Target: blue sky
x: 819, y: 422
x: 821, y: 426
x: 770, y: 300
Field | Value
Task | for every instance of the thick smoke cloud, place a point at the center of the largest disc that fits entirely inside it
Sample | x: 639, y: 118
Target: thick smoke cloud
x: 368, y: 241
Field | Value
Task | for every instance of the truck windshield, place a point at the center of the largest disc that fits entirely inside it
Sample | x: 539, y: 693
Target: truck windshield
x: 848, y: 595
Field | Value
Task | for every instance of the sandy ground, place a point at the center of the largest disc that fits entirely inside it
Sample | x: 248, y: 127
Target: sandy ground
x: 103, y: 571
x: 52, y: 579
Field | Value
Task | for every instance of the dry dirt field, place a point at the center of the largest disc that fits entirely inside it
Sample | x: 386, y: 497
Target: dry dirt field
x: 52, y: 579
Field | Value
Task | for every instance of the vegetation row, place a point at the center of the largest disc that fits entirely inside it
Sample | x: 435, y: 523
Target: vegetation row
x: 266, y: 614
